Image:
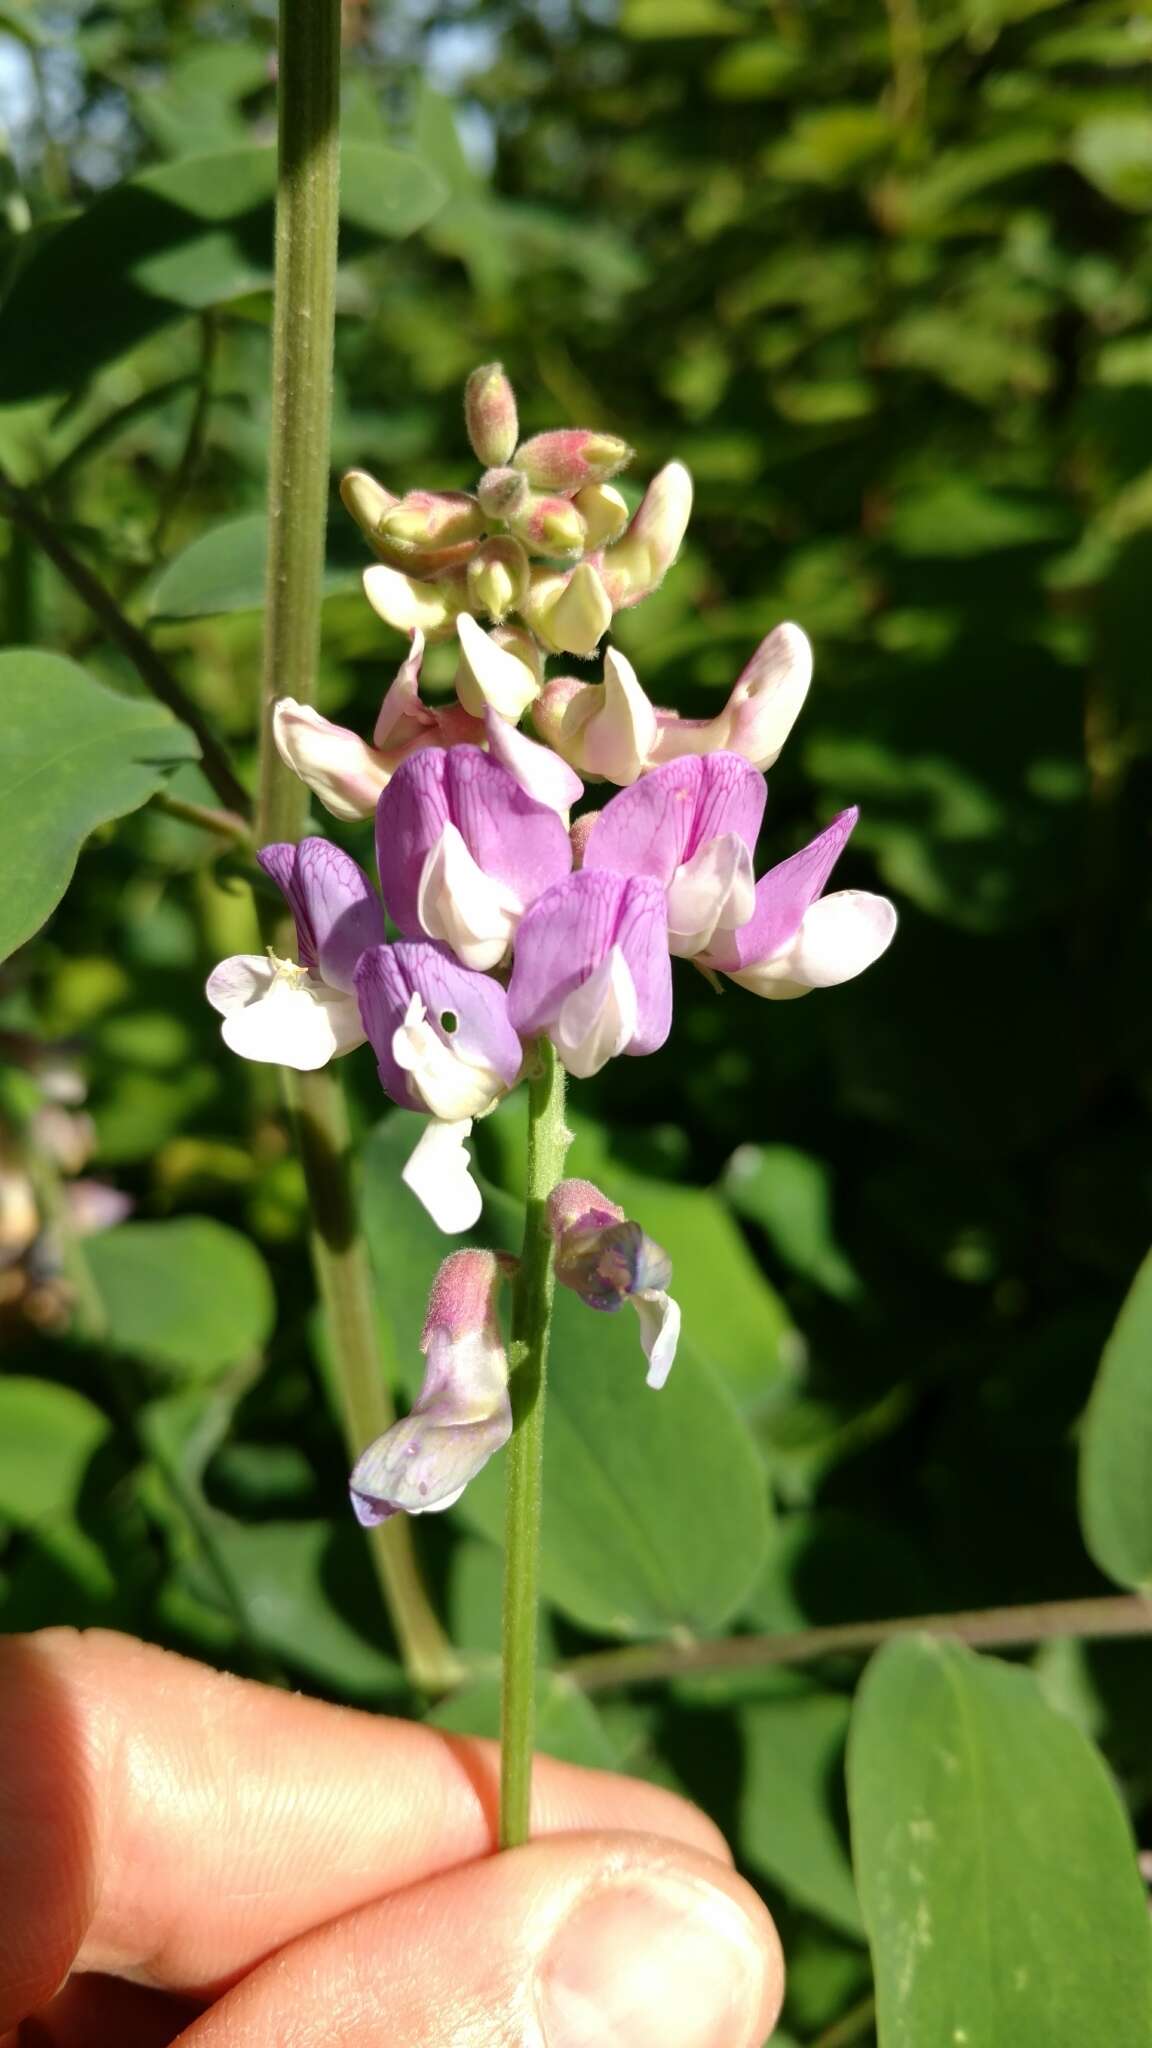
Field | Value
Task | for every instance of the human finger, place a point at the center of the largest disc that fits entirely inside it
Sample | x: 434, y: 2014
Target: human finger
x: 585, y: 1941
x: 173, y: 1825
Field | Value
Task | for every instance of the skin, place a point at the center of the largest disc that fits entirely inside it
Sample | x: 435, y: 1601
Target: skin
x: 186, y: 1856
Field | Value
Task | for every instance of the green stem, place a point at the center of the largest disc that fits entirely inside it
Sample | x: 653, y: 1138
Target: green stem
x: 306, y: 229
x: 1105, y: 1618
x: 225, y: 824
x: 548, y: 1142
x: 307, y: 218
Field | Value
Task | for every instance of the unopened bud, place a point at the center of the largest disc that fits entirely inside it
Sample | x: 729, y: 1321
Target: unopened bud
x: 413, y: 606
x: 346, y: 774
x: 490, y: 675
x: 604, y: 512
x: 432, y: 519
x: 571, y: 457
x: 367, y: 501
x: 498, y: 577
x: 490, y: 414
x: 638, y: 563
x: 524, y: 645
x: 549, y: 526
x: 502, y: 492
x: 570, y: 614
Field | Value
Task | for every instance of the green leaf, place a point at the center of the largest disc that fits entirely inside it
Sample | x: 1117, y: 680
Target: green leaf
x: 308, y: 1593
x: 75, y: 756
x: 568, y: 1725
x: 790, y: 1195
x: 177, y: 239
x: 190, y: 1296
x: 995, y: 1864
x: 654, y: 1504
x: 1116, y: 1447
x: 791, y: 1826
x: 222, y: 570
x: 1115, y: 154
x: 48, y: 1437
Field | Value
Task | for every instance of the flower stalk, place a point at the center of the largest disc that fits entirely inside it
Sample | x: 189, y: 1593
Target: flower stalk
x: 306, y: 233
x: 548, y: 1142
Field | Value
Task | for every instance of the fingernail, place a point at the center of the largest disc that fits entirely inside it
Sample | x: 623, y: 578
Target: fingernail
x: 654, y: 1962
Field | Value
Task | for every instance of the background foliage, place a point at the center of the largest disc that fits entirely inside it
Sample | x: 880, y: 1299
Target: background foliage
x: 883, y: 277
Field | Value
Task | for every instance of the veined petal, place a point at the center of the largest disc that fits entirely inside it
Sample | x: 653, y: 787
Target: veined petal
x: 278, y: 1013
x: 838, y: 938
x: 337, y: 765
x: 659, y: 1332
x: 336, y: 909
x: 498, y: 680
x: 569, y: 933
x: 458, y: 903
x: 782, y: 897
x: 540, y: 772
x: 663, y: 820
x: 439, y: 1174
x: 714, y: 891
x: 461, y: 1054
x: 597, y: 1020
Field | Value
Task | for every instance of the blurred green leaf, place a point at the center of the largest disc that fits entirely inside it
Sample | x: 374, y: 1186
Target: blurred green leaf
x: 48, y: 1437
x: 654, y: 1505
x: 793, y: 1819
x: 996, y: 1868
x: 1115, y: 152
x: 75, y: 756
x: 790, y: 1195
x: 1116, y: 1446
x: 567, y: 1724
x: 190, y: 1296
x: 222, y: 570
x: 181, y: 238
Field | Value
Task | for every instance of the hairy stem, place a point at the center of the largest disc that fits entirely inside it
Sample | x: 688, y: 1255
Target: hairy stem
x: 548, y: 1142
x: 1003, y: 1628
x: 150, y: 666
x: 306, y: 228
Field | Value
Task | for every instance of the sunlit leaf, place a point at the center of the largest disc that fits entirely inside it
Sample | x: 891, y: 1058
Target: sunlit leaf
x: 794, y: 1821
x: 1116, y: 1449
x: 996, y: 1868
x: 190, y: 1296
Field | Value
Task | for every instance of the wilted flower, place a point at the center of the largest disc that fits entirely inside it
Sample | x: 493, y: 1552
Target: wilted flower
x: 797, y: 939
x: 607, y: 1260
x: 299, y: 1014
x: 592, y: 969
x: 462, y: 1414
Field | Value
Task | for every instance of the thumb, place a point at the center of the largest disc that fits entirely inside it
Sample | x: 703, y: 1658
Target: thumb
x: 589, y: 1941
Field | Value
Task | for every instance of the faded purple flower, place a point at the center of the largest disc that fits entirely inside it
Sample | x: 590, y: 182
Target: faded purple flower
x: 607, y: 1260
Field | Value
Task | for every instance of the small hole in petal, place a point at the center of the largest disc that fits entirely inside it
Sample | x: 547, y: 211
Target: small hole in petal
x: 448, y: 1020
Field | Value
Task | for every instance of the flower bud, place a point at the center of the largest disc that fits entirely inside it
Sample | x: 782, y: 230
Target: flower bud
x: 549, y: 526
x: 413, y: 606
x: 501, y: 492
x: 337, y: 765
x: 462, y: 1414
x: 489, y: 675
x: 432, y: 519
x: 490, y: 414
x: 637, y: 564
x: 519, y: 641
x: 607, y: 1260
x: 605, y: 730
x: 569, y: 613
x: 498, y: 577
x: 604, y: 512
x: 367, y: 501
x: 573, y: 456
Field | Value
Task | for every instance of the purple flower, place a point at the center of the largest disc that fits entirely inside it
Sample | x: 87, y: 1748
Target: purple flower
x: 462, y: 1414
x: 463, y: 851
x: 440, y: 1031
x: 692, y: 826
x: 300, y: 1015
x: 798, y: 939
x: 592, y: 969
x: 607, y: 1260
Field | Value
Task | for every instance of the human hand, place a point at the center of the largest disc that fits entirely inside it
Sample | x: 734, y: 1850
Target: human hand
x: 209, y: 1861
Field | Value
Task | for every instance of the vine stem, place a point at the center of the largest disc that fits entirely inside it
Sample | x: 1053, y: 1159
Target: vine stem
x: 1006, y: 1628
x: 307, y: 203
x: 548, y: 1142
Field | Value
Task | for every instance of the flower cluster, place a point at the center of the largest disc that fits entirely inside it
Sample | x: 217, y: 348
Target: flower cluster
x: 514, y: 922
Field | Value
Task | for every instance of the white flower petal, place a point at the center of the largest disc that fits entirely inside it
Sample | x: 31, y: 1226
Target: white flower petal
x: 714, y: 891
x: 458, y: 903
x: 598, y: 1019
x: 498, y: 678
x: 240, y: 980
x: 439, y: 1174
x: 446, y: 1085
x: 620, y: 740
x: 839, y: 937
x: 337, y: 765
x: 540, y: 772
x: 659, y: 1332
x: 287, y: 1018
